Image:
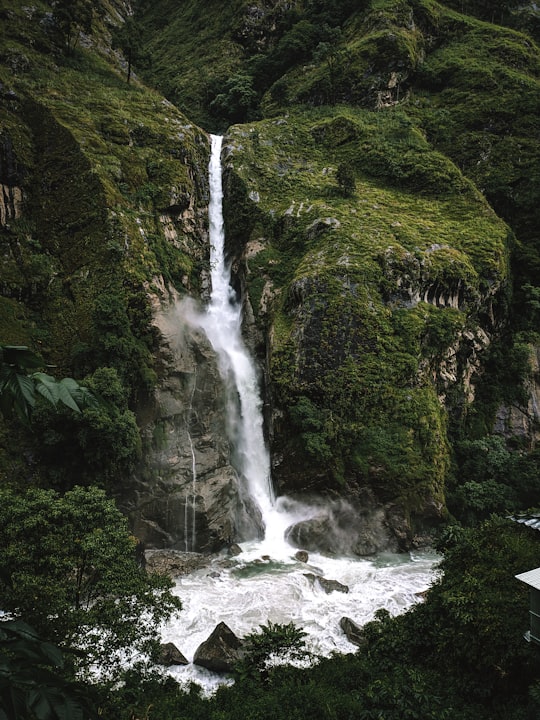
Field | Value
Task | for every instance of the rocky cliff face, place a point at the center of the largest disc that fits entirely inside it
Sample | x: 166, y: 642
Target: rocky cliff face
x: 188, y: 495
x: 521, y: 421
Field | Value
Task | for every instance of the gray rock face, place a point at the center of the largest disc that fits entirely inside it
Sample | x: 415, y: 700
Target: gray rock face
x: 522, y: 422
x: 186, y: 495
x: 221, y: 651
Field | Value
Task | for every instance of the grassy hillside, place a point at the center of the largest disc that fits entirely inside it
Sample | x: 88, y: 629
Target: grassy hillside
x: 363, y: 294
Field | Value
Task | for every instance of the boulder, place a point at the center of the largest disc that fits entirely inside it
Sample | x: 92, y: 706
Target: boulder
x: 315, y: 534
x: 327, y: 585
x: 221, y: 651
x: 301, y: 556
x: 169, y: 655
x: 173, y: 562
x: 234, y: 550
x: 353, y: 632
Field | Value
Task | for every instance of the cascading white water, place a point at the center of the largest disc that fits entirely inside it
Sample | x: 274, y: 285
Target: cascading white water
x: 222, y: 325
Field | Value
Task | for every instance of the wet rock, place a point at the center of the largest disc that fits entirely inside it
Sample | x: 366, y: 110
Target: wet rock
x: 327, y: 585
x: 234, y: 550
x: 302, y: 556
x: 186, y: 494
x: 170, y: 655
x: 353, y: 632
x: 221, y: 651
x: 173, y: 562
x: 315, y: 534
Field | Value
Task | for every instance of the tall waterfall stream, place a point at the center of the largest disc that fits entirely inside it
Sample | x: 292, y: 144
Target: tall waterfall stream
x: 266, y: 582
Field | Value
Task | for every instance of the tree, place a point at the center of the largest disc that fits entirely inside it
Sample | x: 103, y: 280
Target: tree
x: 71, y: 17
x: 328, y: 53
x: 238, y: 101
x: 127, y: 38
x: 20, y: 388
x: 275, y: 644
x: 346, y: 179
x: 68, y: 567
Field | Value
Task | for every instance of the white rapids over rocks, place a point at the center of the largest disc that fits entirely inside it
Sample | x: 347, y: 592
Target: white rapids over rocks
x: 266, y: 583
x: 254, y: 592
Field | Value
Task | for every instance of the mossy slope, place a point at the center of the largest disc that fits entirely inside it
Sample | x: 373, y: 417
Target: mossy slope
x: 363, y: 298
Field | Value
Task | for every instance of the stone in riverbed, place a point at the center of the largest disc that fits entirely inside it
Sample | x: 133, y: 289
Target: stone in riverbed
x: 301, y: 556
x: 327, y: 585
x: 353, y: 632
x: 169, y: 655
x: 221, y: 651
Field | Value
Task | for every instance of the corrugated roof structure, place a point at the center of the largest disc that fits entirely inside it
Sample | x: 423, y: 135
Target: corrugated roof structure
x: 532, y: 521
x: 531, y: 578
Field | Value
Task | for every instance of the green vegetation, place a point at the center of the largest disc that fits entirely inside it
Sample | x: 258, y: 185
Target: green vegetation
x: 20, y: 389
x: 69, y: 568
x: 31, y: 680
x: 370, y: 291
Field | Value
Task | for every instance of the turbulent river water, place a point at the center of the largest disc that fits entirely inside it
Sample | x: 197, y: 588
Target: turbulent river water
x: 266, y: 582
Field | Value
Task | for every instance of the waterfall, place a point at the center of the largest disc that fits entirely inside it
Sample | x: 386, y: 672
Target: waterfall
x: 266, y: 582
x: 222, y: 325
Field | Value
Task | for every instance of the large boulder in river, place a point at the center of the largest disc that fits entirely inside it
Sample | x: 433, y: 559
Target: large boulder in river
x: 221, y: 651
x: 174, y: 563
x: 341, y: 528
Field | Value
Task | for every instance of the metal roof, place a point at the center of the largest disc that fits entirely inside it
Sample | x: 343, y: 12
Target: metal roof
x: 532, y: 521
x: 532, y: 578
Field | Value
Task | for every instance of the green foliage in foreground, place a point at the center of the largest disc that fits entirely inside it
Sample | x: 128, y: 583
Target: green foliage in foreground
x: 31, y: 678
x: 459, y: 655
x: 99, y: 446
x: 274, y: 645
x: 68, y: 567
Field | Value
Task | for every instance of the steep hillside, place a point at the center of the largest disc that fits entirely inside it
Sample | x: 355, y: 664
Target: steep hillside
x: 376, y: 304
